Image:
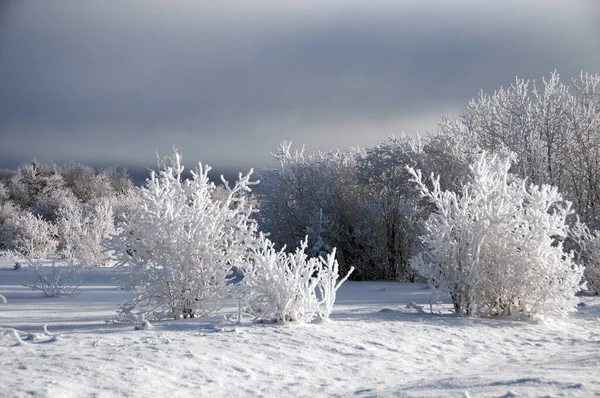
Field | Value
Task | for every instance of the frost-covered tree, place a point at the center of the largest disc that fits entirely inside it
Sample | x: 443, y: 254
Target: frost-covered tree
x: 310, y: 195
x: 526, y: 120
x: 122, y: 204
x: 83, y: 228
x: 319, y: 226
x: 592, y: 263
x: 587, y: 247
x: 449, y: 152
x: 7, y: 211
x: 582, y: 151
x: 53, y: 197
x: 4, y: 193
x: 553, y: 129
x: 178, y: 248
x: 496, y: 247
x: 29, y: 235
x: 345, y: 199
x: 72, y: 191
x: 283, y: 286
x: 119, y: 180
x: 26, y: 185
x: 390, y: 211
x: 84, y: 182
x: 358, y: 200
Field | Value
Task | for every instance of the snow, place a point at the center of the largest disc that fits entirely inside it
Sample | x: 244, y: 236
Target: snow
x: 374, y: 346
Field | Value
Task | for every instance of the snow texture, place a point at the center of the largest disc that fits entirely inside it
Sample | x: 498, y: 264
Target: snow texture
x: 375, y: 346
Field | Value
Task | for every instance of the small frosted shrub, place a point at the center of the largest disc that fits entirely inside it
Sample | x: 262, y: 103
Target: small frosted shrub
x: 55, y: 280
x: 283, y: 286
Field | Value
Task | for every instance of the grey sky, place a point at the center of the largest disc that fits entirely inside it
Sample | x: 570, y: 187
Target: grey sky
x: 109, y: 82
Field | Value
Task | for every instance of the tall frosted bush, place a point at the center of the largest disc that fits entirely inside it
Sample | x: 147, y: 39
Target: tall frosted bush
x: 496, y: 248
x: 178, y: 248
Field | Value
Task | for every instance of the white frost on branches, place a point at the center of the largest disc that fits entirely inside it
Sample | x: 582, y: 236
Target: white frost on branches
x: 28, y: 234
x: 83, y: 228
x: 497, y: 247
x: 588, y: 253
x: 283, y: 286
x: 180, y: 245
x: 592, y: 265
x: 57, y: 280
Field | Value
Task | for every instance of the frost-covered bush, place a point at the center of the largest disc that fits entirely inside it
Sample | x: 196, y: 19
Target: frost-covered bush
x: 496, y: 248
x: 83, y: 228
x: 328, y: 283
x: 29, y: 235
x: 55, y: 280
x: 283, y: 286
x: 179, y: 246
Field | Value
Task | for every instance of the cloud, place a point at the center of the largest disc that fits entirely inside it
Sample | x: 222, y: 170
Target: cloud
x: 103, y: 82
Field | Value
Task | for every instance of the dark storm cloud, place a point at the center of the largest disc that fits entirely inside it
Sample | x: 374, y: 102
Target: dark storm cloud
x: 110, y: 82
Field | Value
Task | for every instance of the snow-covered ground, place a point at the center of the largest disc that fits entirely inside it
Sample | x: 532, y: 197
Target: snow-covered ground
x: 374, y: 346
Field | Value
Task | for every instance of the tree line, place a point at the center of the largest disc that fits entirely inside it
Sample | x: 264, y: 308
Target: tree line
x: 534, y: 146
